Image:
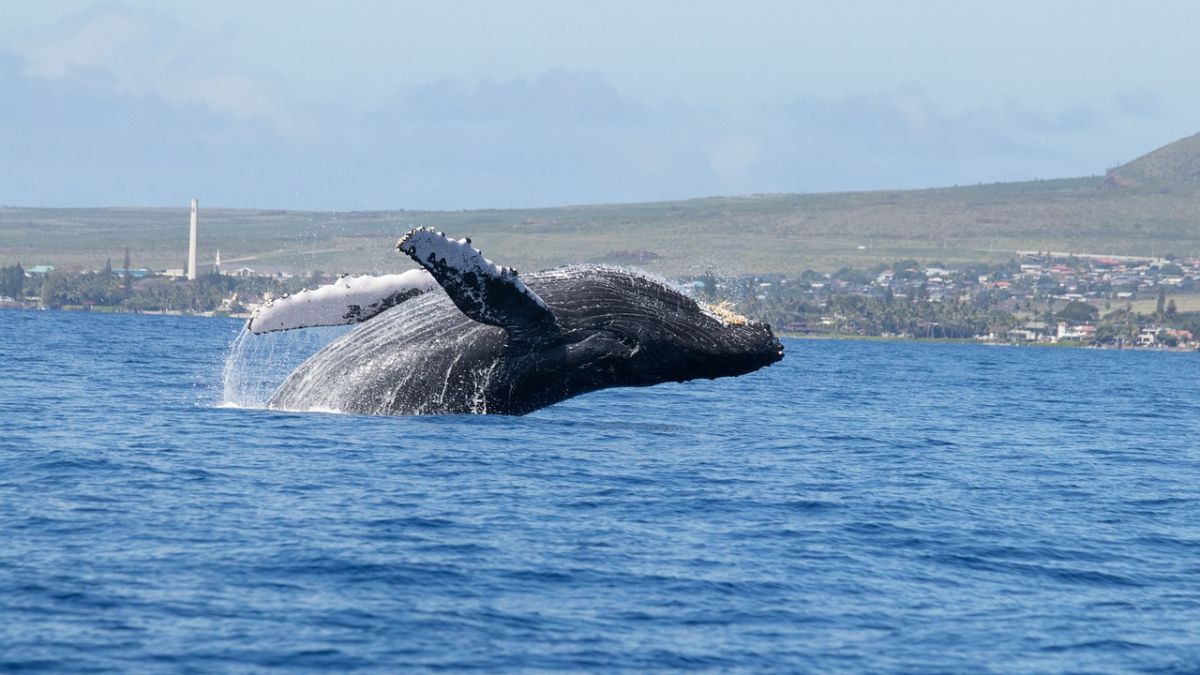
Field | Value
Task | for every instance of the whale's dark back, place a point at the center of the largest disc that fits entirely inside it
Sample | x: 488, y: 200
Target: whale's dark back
x: 616, y: 328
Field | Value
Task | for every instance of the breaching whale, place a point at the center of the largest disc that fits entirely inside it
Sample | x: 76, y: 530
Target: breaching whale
x: 463, y: 335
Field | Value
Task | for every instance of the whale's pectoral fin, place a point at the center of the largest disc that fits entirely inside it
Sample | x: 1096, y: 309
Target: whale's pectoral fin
x: 482, y: 290
x: 345, y: 301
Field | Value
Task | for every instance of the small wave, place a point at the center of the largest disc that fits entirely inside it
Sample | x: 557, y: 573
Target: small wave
x: 1109, y: 645
x: 1089, y: 577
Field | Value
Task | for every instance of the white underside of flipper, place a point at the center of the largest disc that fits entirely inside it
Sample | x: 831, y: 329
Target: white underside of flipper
x: 348, y: 300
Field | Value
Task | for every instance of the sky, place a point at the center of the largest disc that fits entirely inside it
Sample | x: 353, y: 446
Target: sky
x: 372, y: 105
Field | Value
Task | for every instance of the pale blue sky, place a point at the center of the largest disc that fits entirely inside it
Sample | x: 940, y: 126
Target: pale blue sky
x: 381, y: 105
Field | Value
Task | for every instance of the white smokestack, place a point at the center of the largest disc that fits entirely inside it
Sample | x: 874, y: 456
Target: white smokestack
x: 191, y: 270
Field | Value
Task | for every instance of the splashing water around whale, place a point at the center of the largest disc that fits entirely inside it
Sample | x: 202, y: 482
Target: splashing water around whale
x: 465, y: 335
x: 257, y: 364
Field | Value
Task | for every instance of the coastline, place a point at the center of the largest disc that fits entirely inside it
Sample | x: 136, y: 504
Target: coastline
x: 783, y: 334
x: 118, y: 310
x: 1071, y: 344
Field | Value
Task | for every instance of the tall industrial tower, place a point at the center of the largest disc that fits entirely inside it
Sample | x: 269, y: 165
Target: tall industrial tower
x: 191, y: 270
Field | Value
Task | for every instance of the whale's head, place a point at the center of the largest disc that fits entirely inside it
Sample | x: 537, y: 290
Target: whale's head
x: 634, y: 330
x: 692, y: 340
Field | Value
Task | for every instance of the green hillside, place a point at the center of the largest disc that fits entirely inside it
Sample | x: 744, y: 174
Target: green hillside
x: 1150, y: 206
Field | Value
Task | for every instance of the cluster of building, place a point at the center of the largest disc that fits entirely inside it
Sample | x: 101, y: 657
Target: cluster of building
x: 1048, y: 276
x: 1098, y: 280
x: 1087, y: 277
x: 1062, y: 331
x: 1032, y: 288
x: 1032, y: 276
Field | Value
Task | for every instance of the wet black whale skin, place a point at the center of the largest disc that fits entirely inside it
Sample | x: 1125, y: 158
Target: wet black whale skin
x: 612, y: 328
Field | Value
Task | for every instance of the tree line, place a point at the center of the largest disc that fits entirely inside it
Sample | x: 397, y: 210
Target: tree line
x: 209, y: 292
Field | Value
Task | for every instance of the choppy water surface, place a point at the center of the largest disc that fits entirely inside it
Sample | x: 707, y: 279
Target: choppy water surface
x: 859, y: 506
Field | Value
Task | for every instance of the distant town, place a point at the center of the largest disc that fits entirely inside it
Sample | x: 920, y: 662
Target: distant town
x: 1039, y: 297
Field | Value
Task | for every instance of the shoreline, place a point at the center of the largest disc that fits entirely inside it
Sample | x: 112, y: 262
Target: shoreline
x: 82, y: 309
x: 783, y: 334
x: 990, y: 343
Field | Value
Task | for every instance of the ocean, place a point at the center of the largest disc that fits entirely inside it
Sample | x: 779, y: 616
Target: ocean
x: 860, y: 506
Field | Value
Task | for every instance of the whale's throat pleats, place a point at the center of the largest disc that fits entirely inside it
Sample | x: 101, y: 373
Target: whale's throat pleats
x: 482, y: 290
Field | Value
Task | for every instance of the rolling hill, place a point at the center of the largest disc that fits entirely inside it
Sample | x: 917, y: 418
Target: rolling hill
x: 1150, y: 206
x: 1173, y: 166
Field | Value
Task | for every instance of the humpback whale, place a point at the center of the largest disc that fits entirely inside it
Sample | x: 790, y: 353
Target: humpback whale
x: 463, y: 335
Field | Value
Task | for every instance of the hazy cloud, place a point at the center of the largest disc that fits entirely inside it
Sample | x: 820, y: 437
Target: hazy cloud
x: 1140, y: 102
x: 100, y: 38
x: 559, y: 136
x: 733, y: 157
x: 115, y: 105
x: 143, y: 53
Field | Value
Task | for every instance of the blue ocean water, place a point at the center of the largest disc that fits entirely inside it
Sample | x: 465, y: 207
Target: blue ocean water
x: 858, y: 507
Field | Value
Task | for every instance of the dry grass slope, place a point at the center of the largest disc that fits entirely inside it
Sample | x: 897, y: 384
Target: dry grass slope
x: 1172, y: 166
x: 1152, y: 208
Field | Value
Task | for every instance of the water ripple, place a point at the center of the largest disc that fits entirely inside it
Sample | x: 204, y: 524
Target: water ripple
x: 857, y: 507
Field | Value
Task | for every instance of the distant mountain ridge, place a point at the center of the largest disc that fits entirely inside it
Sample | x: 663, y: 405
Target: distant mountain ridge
x: 1175, y: 164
